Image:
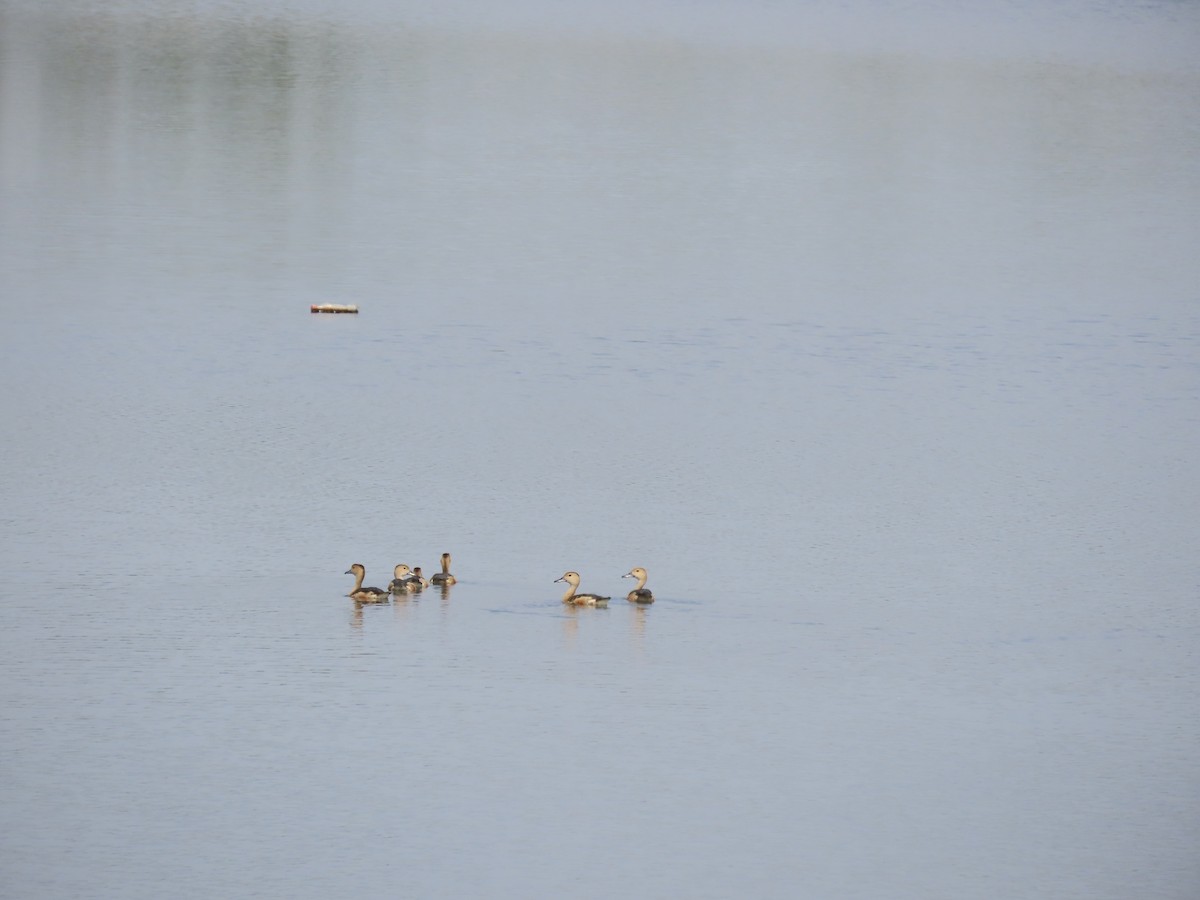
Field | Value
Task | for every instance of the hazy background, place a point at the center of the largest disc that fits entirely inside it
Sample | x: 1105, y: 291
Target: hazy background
x: 869, y: 330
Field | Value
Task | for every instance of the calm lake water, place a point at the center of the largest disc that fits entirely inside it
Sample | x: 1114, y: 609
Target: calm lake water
x: 872, y: 332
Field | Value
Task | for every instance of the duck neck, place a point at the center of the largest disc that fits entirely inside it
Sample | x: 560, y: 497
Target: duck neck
x: 570, y: 593
x: 359, y: 575
x: 641, y: 582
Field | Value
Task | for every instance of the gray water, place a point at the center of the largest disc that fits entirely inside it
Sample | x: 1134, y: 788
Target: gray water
x: 871, y: 332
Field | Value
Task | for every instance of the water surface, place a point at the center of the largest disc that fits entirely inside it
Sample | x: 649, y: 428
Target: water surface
x: 876, y: 346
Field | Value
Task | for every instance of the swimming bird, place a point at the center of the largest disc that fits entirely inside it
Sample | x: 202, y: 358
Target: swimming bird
x: 444, y: 576
x: 639, y: 594
x: 365, y: 594
x: 572, y: 580
x: 404, y: 581
x: 421, y: 580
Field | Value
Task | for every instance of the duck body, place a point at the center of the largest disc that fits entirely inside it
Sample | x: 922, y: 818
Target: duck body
x: 405, y: 581
x: 572, y: 580
x: 360, y: 593
x: 640, y: 594
x: 444, y: 576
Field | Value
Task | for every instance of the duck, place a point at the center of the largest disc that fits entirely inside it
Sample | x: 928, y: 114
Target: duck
x: 444, y: 576
x: 641, y: 593
x: 365, y: 594
x: 421, y: 580
x: 572, y: 580
x: 404, y: 581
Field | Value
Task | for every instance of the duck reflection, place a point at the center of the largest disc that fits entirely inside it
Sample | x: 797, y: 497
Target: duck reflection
x: 637, y: 625
x: 570, y: 621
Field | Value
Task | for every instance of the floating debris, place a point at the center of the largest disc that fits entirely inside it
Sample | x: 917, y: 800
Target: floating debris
x: 333, y: 308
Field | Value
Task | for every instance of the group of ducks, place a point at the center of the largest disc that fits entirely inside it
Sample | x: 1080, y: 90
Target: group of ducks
x: 640, y: 594
x: 407, y: 581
